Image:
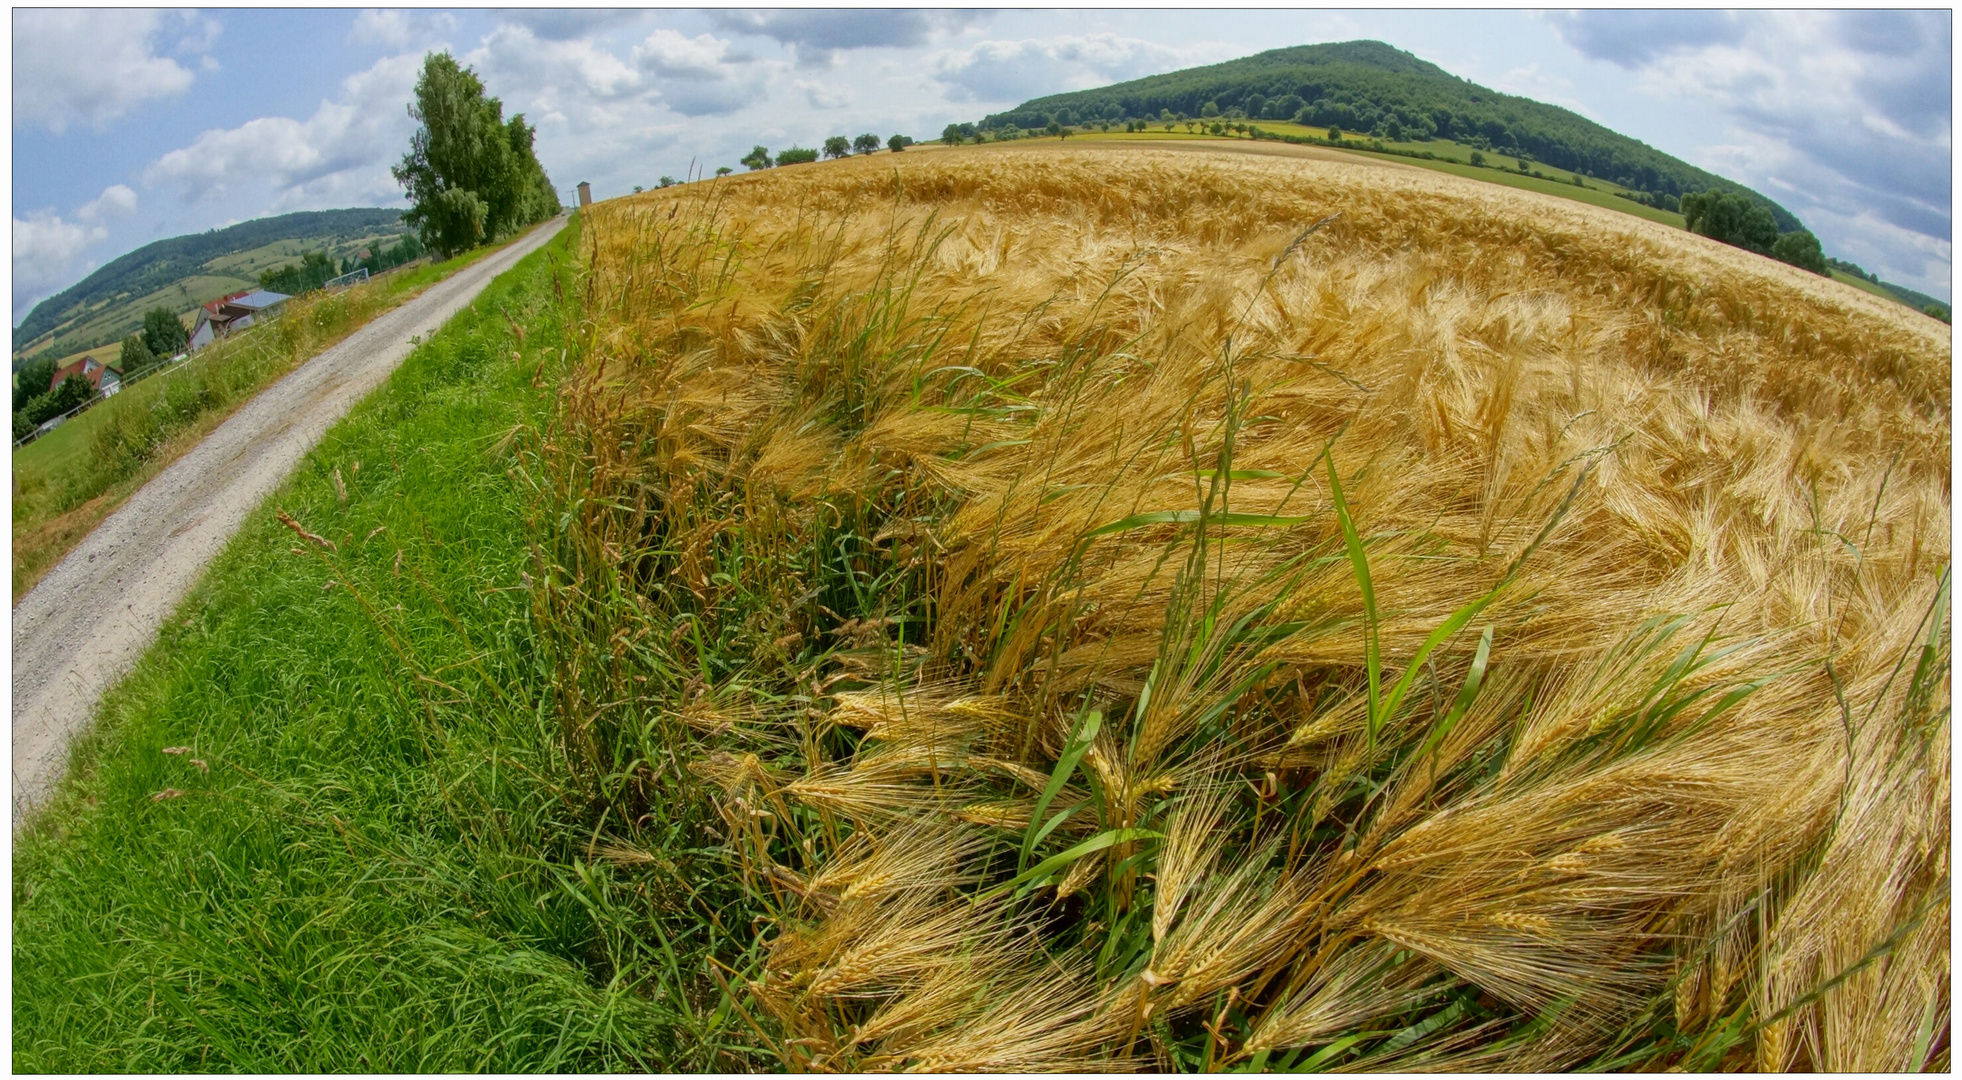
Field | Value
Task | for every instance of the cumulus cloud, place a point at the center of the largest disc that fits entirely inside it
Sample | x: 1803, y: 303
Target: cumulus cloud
x: 396, y: 29
x: 581, y: 83
x: 340, y: 152
x: 513, y: 58
x: 667, y: 53
x: 45, y: 250
x: 1013, y: 71
x: 90, y: 66
x: 565, y: 24
x: 1842, y: 115
x: 116, y: 200
x: 823, y: 95
x: 1632, y: 38
x: 819, y: 36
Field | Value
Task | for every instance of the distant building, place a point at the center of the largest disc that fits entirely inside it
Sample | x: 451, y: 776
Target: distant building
x: 105, y: 377
x: 232, y: 313
x: 585, y: 193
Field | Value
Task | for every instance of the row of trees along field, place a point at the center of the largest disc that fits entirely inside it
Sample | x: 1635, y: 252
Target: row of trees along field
x: 471, y: 176
x: 163, y: 336
x: 837, y: 146
x: 317, y: 268
x: 1740, y: 222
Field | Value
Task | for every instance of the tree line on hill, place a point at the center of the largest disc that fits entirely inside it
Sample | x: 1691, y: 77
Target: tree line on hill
x: 834, y: 147
x: 1369, y: 88
x: 471, y: 176
x: 317, y: 268
x: 1733, y: 219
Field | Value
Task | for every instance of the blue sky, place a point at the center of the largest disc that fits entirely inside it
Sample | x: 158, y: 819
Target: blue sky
x: 182, y: 121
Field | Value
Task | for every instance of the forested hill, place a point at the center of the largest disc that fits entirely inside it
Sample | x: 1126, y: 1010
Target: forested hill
x: 1370, y: 88
x: 156, y: 266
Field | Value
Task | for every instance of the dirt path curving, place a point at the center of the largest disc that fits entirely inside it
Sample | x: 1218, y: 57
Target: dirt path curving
x: 83, y: 627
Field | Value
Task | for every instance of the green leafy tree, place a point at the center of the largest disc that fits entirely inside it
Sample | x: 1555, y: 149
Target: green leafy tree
x: 1732, y: 218
x: 1937, y: 311
x: 1477, y: 160
x: 1801, y: 249
x: 797, y: 155
x: 867, y: 143
x: 757, y: 158
x: 314, y: 270
x: 898, y: 143
x: 837, y: 146
x: 32, y: 379
x: 951, y: 135
x: 136, y: 355
x: 666, y: 182
x: 73, y: 391
x: 1335, y: 132
x: 1209, y: 109
x: 470, y: 175
x: 723, y: 170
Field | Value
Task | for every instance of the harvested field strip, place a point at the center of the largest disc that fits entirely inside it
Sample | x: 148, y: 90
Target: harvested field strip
x: 1234, y: 612
x: 321, y: 828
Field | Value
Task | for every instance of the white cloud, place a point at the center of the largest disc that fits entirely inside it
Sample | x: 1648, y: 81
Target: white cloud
x: 818, y: 36
x: 514, y: 59
x: 90, y: 66
x: 396, y: 29
x: 1845, y: 113
x: 340, y: 152
x: 669, y: 54
x: 45, y: 250
x: 823, y: 95
x: 1013, y: 71
x: 564, y: 24
x: 116, y: 200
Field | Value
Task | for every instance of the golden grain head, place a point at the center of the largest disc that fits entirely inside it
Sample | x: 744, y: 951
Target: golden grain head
x: 1503, y: 621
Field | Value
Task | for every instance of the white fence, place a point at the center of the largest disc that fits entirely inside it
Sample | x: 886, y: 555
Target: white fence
x: 176, y: 363
x: 352, y: 277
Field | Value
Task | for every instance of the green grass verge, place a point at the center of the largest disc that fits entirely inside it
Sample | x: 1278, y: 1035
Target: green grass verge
x: 367, y: 867
x: 1591, y: 195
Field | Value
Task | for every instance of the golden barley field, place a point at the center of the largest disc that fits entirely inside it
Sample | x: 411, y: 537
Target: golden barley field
x: 1134, y: 607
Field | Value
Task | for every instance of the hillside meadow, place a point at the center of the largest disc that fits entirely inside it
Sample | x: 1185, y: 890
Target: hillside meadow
x: 1197, y: 610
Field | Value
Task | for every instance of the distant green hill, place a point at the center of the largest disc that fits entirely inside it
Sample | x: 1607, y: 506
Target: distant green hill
x: 185, y: 271
x: 1370, y: 88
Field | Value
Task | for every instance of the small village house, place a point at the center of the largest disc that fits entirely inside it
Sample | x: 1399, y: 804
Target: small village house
x: 228, y: 314
x: 105, y: 376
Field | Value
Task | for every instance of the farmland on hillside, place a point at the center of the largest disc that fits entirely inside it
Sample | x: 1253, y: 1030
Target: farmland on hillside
x: 184, y: 271
x: 1114, y: 607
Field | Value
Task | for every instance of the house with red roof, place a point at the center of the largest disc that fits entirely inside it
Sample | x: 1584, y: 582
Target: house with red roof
x: 228, y: 314
x: 105, y: 376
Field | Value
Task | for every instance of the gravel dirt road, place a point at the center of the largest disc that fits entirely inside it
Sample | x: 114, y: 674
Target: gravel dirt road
x: 83, y: 627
